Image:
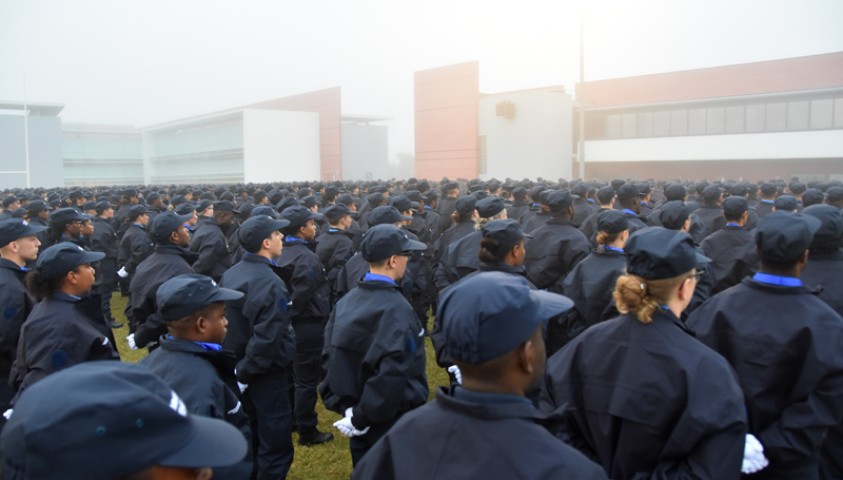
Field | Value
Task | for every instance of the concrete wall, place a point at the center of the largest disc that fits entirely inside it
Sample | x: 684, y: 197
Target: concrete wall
x: 365, y: 153
x: 535, y: 142
x: 280, y: 146
x: 45, y: 160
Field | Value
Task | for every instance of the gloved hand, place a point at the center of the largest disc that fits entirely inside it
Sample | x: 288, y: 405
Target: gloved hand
x: 753, y: 455
x: 347, y: 428
x: 8, y: 413
x: 455, y: 371
x: 122, y: 273
x: 242, y: 387
x: 130, y: 339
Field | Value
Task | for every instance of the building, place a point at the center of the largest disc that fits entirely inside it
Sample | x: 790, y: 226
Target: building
x: 101, y: 155
x: 754, y: 121
x: 30, y: 145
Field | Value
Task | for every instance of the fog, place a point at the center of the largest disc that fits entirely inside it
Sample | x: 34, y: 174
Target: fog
x: 143, y: 62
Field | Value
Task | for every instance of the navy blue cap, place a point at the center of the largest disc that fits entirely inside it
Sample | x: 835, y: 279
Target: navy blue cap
x: 507, y: 233
x: 298, y: 215
x: 559, y: 200
x: 783, y: 236
x: 204, y: 205
x: 264, y: 210
x: 286, y: 203
x: 257, y: 229
x: 186, y: 294
x: 712, y: 193
x: 383, y: 241
x: 185, y: 209
x: 165, y: 223
x: 386, y: 214
x: 334, y: 213
x: 136, y: 211
x: 224, y: 206
x: 675, y: 191
x: 612, y: 221
x: 834, y: 194
x: 735, y: 206
x: 345, y: 199
x: 103, y: 206
x: 15, y: 228
x: 63, y: 257
x: 466, y: 204
x: 65, y: 215
x: 673, y: 214
x: 488, y: 314
x: 489, y: 207
x: 107, y: 420
x: 657, y: 253
x: 628, y: 191
x: 402, y: 203
x: 36, y: 206
x: 786, y: 203
x: 831, y: 218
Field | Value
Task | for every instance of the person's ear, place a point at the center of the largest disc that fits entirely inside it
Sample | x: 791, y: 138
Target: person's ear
x: 201, y: 324
x: 527, y: 356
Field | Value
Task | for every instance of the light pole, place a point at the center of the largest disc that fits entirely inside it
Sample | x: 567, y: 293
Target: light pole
x: 581, y: 104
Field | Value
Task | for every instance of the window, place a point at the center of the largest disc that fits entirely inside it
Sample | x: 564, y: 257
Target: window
x: 661, y: 121
x: 776, y: 119
x: 696, y: 121
x: 822, y: 113
x: 613, y: 126
x: 628, y: 129
x: 838, y: 113
x: 755, y: 115
x: 734, y: 119
x: 645, y: 124
x: 715, y: 120
x: 797, y: 116
x: 679, y: 122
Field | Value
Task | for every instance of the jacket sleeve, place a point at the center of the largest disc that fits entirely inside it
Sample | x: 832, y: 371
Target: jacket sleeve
x: 305, y: 281
x: 12, y: 315
x: 270, y: 328
x: 204, y: 265
x: 140, y: 248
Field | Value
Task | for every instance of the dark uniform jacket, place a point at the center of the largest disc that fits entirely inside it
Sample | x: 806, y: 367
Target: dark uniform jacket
x: 104, y: 239
x: 374, y: 356
x: 57, y: 335
x: 784, y: 343
x: 334, y: 248
x: 42, y: 235
x: 732, y: 253
x: 531, y: 222
x: 764, y: 208
x: 635, y: 221
x: 215, y: 254
x: 166, y: 262
x: 356, y: 268
x: 582, y: 210
x: 446, y: 206
x: 473, y: 435
x: 259, y: 330
x: 420, y: 226
x: 456, y: 232
x: 648, y: 401
x: 134, y: 247
x: 517, y: 209
x: 459, y: 260
x: 306, y: 279
x: 553, y: 251
x: 706, y: 221
x: 431, y: 221
x: 589, y: 225
x: 15, y: 305
x: 591, y: 283
x: 204, y: 379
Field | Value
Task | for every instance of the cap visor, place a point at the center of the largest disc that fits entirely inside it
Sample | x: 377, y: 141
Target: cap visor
x: 225, y: 294
x: 414, y: 245
x: 33, y: 229
x: 550, y: 304
x: 185, y: 217
x: 215, y: 443
x: 281, y: 223
x: 315, y: 216
x: 702, y: 258
x: 91, y: 257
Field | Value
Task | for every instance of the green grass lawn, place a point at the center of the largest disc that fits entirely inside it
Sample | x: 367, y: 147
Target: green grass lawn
x: 327, y: 461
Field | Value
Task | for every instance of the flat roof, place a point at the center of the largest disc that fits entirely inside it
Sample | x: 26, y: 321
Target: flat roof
x: 363, y: 118
x: 41, y: 109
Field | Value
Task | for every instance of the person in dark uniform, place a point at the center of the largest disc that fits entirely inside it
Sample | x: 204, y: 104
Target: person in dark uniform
x: 520, y: 205
x: 104, y: 239
x: 812, y: 196
x: 447, y: 206
x: 112, y: 420
x: 486, y: 427
x: 191, y: 359
x: 675, y: 215
x: 768, y: 197
x: 732, y: 248
x: 262, y: 339
x: 430, y: 215
x: 461, y: 257
x: 135, y: 245
x: 419, y: 224
x: 556, y: 247
x: 128, y: 199
x: 210, y: 242
x: 605, y: 201
x: 10, y: 204
x: 373, y: 354
x: 643, y: 397
x: 188, y: 209
x: 169, y: 259
x: 591, y: 282
x: 39, y: 215
x: 708, y: 218
x: 582, y: 208
x: 539, y: 212
x: 822, y: 275
x: 672, y: 192
x: 786, y: 203
x: 534, y: 207
x: 629, y: 202
x: 65, y: 226
x: 646, y: 192
x: 784, y: 343
x: 336, y: 245
x: 59, y: 332
x: 834, y: 197
x: 311, y: 307
x: 465, y: 215
x: 18, y: 247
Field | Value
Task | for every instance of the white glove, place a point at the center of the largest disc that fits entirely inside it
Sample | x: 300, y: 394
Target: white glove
x: 130, y: 339
x: 8, y: 413
x: 753, y: 456
x: 122, y: 273
x: 455, y: 370
x: 242, y: 387
x: 347, y: 428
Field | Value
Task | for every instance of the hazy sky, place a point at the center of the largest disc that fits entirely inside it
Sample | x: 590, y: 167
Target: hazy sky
x: 144, y: 62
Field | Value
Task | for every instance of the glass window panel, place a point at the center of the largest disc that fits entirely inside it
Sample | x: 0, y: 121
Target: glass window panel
x: 679, y: 122
x: 696, y: 121
x: 645, y: 124
x: 734, y: 119
x: 661, y: 127
x: 755, y: 115
x: 797, y: 115
x: 715, y: 120
x: 822, y: 113
x: 838, y: 113
x: 613, y: 126
x: 629, y: 124
x: 776, y: 117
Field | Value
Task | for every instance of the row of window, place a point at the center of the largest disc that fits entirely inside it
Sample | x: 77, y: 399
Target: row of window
x: 799, y: 115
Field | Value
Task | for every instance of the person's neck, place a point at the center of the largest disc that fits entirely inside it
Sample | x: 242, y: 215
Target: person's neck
x: 386, y: 272
x: 16, y: 259
x: 787, y: 272
x: 480, y: 386
x: 72, y: 290
x: 265, y: 254
x: 337, y: 227
x: 676, y: 306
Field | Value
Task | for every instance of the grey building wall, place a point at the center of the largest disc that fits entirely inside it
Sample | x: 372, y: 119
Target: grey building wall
x: 45, y: 156
x: 365, y: 152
